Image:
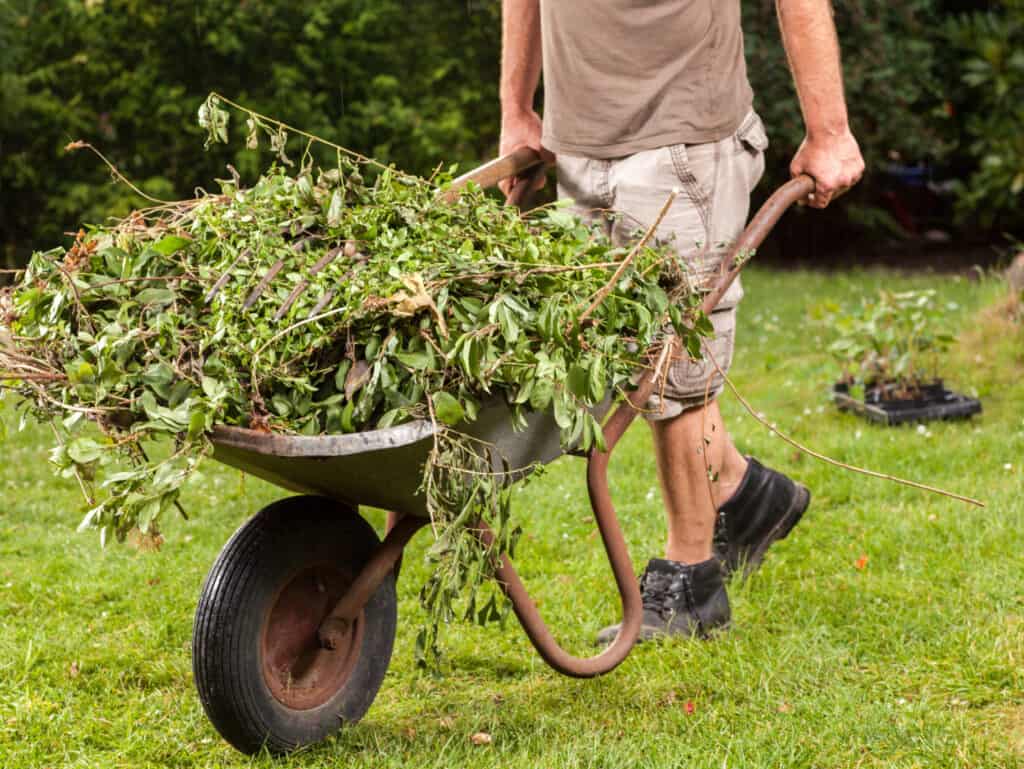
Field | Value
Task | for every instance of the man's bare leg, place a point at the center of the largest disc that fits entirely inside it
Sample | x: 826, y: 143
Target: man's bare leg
x: 683, y: 457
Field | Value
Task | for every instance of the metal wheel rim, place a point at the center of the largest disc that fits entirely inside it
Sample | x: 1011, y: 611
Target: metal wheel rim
x: 299, y: 673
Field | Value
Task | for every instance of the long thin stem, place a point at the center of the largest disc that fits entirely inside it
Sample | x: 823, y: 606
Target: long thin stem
x: 836, y: 462
x: 607, y: 288
x: 78, y: 145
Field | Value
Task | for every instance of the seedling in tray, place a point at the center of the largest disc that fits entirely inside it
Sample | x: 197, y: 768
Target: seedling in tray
x: 890, y: 349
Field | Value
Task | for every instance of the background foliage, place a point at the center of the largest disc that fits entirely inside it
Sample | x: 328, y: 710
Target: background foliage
x: 415, y: 83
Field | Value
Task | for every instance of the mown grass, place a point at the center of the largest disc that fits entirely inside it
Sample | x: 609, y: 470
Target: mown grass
x: 914, y: 660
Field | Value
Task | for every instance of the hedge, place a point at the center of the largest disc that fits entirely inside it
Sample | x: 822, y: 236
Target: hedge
x: 415, y: 83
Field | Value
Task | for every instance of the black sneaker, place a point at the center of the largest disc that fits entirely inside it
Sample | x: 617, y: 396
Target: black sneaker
x: 679, y: 600
x: 764, y: 509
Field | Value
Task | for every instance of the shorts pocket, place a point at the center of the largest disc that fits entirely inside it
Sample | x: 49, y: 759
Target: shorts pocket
x: 751, y: 135
x: 696, y: 170
x: 687, y: 379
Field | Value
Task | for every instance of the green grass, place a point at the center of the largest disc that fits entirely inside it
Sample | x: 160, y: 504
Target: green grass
x: 916, y: 660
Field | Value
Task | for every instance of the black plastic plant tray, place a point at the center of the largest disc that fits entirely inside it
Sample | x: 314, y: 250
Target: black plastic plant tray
x: 935, y: 403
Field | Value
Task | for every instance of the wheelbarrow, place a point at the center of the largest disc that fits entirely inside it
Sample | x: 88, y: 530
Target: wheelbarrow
x: 296, y: 620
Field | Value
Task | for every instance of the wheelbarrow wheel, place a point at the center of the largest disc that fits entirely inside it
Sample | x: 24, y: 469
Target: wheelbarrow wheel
x: 263, y: 677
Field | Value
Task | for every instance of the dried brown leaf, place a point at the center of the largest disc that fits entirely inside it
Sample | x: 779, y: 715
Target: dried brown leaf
x: 356, y: 377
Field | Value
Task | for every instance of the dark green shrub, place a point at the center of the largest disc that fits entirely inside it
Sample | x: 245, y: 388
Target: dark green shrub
x: 990, y: 46
x: 414, y: 83
x: 890, y: 67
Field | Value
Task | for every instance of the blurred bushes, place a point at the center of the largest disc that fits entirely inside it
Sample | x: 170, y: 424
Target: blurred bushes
x: 414, y: 82
x: 410, y: 82
x: 990, y: 45
x: 892, y: 73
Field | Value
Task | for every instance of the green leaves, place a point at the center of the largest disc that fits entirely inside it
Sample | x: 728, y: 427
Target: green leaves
x: 447, y: 408
x: 332, y: 302
x: 82, y: 451
x: 894, y: 338
x: 157, y: 297
x: 335, y: 208
x: 168, y: 244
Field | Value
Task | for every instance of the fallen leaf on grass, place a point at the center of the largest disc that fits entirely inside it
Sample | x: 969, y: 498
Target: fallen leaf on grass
x: 690, y: 708
x: 481, y: 738
x: 861, y: 562
x: 447, y: 722
x: 73, y: 670
x: 785, y: 707
x: 144, y: 543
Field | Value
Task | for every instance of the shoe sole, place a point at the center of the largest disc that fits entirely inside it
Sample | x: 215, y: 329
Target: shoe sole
x: 650, y: 634
x: 801, y: 501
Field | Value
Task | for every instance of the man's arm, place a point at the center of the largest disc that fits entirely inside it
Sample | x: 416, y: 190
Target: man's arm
x: 829, y: 153
x: 520, y: 74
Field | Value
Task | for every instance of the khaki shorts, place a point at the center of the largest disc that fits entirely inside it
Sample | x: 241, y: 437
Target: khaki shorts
x: 624, y: 196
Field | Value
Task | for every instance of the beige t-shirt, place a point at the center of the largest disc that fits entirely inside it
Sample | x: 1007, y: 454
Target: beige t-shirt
x: 621, y: 76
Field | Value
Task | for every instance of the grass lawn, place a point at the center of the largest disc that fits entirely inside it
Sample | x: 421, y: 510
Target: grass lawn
x: 914, y: 659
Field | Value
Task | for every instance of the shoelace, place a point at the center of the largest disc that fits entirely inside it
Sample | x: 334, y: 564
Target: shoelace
x: 660, y: 593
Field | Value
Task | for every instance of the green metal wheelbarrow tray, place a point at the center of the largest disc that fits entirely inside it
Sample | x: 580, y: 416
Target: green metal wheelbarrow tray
x: 296, y: 620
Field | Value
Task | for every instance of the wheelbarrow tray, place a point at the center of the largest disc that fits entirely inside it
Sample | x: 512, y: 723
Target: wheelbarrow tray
x: 384, y: 468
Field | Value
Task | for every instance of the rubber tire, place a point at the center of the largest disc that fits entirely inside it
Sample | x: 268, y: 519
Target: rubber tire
x: 259, y: 559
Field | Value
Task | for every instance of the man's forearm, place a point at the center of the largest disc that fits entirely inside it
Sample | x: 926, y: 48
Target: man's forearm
x: 520, y: 54
x: 809, y: 36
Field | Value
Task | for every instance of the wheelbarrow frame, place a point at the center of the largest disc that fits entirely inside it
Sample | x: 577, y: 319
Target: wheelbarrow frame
x: 303, y: 463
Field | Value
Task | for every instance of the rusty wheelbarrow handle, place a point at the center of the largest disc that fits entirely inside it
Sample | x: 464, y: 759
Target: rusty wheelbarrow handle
x: 597, y: 478
x: 515, y: 163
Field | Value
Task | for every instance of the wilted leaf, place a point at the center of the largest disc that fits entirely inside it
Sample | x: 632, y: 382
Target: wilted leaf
x: 356, y: 377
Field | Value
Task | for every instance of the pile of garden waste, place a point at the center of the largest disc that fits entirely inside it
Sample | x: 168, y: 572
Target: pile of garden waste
x: 327, y: 300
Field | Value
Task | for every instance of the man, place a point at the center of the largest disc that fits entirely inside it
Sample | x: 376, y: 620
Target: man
x: 641, y: 97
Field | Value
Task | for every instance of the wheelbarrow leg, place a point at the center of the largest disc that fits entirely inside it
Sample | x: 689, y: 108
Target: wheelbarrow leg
x: 380, y: 565
x: 390, y: 522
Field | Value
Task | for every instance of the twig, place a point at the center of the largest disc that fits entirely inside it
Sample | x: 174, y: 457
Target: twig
x: 705, y: 438
x: 296, y: 325
x: 77, y: 145
x: 32, y: 377
x: 836, y: 462
x: 83, y: 313
x: 74, y: 468
x: 520, y: 274
x: 135, y: 280
x: 607, y: 288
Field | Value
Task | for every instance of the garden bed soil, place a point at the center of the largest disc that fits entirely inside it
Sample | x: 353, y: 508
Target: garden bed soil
x: 932, y: 402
